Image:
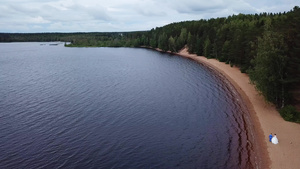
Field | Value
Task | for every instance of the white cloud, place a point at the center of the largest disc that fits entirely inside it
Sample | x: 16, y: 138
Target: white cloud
x: 38, y: 20
x: 116, y: 15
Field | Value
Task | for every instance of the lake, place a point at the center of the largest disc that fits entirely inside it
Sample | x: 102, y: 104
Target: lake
x: 116, y: 108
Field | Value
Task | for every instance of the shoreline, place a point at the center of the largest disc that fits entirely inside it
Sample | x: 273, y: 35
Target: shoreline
x: 264, y: 117
x: 256, y: 148
x: 253, y: 142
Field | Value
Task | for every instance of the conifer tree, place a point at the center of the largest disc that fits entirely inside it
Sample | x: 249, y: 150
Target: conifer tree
x: 270, y: 65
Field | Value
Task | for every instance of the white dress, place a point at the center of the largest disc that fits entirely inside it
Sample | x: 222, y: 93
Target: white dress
x: 274, y: 140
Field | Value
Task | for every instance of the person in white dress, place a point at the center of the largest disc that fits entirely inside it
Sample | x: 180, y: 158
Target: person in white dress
x: 274, y: 139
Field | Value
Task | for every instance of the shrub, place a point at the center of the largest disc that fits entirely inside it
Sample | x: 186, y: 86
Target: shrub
x: 222, y: 59
x: 290, y: 113
x: 243, y: 69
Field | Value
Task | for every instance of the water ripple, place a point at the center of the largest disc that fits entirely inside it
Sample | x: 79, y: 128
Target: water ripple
x: 116, y: 108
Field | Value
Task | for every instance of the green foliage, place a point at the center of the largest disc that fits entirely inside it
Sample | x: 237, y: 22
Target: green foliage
x: 270, y: 64
x: 290, y: 113
x: 172, y: 46
x: 198, y: 48
x: 207, y: 48
x: 225, y: 51
x: 182, y: 39
x: 163, y: 42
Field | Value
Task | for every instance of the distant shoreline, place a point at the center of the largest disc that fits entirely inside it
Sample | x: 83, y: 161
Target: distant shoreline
x: 264, y: 117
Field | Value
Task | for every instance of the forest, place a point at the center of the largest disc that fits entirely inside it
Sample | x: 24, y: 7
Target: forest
x: 266, y: 46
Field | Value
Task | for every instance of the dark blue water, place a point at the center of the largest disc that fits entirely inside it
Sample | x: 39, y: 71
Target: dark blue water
x: 116, y: 108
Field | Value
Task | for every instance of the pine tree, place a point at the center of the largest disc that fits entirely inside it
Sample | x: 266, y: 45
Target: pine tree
x: 270, y: 66
x: 172, y: 46
x: 207, y: 48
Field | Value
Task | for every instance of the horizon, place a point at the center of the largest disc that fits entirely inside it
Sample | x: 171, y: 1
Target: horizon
x: 78, y: 16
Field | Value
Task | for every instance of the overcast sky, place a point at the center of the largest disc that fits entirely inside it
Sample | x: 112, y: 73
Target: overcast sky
x: 121, y: 15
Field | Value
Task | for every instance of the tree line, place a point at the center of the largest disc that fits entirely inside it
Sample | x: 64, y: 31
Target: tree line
x: 266, y: 46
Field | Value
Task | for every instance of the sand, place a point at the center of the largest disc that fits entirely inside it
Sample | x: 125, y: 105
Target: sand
x: 265, y: 119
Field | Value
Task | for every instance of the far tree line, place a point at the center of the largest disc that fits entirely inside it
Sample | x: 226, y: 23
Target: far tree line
x: 266, y: 46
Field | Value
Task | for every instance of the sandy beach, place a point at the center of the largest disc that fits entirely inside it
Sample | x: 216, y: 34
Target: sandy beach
x: 265, y: 118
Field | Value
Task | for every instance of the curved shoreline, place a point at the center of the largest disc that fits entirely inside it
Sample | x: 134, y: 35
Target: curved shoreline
x: 254, y: 155
x: 264, y: 117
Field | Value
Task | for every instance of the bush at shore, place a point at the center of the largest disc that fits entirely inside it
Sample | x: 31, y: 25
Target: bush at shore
x: 290, y: 113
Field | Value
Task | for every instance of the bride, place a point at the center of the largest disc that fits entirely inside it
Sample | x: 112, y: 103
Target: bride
x: 274, y: 139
